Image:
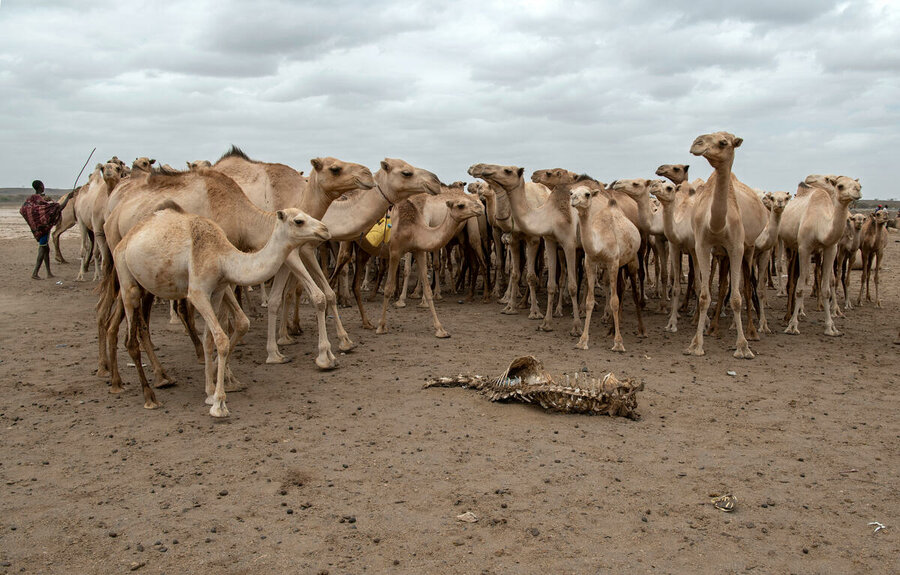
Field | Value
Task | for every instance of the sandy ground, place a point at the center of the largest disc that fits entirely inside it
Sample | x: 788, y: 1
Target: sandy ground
x: 361, y: 470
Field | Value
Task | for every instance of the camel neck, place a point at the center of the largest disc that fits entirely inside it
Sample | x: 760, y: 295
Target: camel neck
x: 838, y: 221
x: 347, y: 219
x: 438, y: 236
x: 719, y: 208
x: 254, y: 268
x: 315, y: 200
x: 584, y: 225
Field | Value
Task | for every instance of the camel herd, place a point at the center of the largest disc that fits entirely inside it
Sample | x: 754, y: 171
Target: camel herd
x: 193, y: 236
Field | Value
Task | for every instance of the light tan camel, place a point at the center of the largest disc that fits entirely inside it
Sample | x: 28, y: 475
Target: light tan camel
x: 556, y: 221
x: 677, y: 209
x: 675, y: 173
x: 637, y: 190
x: 846, y: 255
x: 775, y: 202
x: 611, y: 240
x: 276, y: 186
x: 873, y: 240
x: 66, y: 222
x: 813, y: 222
x: 727, y: 216
x: 175, y: 255
x: 208, y: 193
x: 90, y: 213
x: 409, y: 233
x: 499, y: 214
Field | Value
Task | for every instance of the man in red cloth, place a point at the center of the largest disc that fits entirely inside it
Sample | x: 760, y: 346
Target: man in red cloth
x: 42, y: 214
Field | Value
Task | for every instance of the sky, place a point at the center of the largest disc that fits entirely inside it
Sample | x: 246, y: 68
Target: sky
x: 609, y: 88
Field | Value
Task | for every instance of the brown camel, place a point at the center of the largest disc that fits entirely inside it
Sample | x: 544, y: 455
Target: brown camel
x: 175, y: 255
x: 410, y: 233
x: 727, y: 216
x: 90, y: 213
x: 813, y: 223
x: 775, y: 202
x: 276, y: 186
x: 846, y: 254
x: 677, y: 209
x: 611, y: 240
x: 873, y: 240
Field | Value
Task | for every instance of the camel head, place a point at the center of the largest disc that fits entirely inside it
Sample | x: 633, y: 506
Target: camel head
x: 398, y: 180
x: 116, y: 160
x: 112, y: 172
x: 200, y: 164
x: 675, y: 173
x: 857, y: 221
x: 847, y: 189
x: 823, y: 182
x: 778, y: 201
x: 635, y: 188
x: 143, y: 164
x: 881, y: 217
x: 554, y: 177
x: 717, y: 148
x: 506, y: 177
x: 299, y: 227
x: 336, y: 177
x: 580, y: 197
x: 465, y: 207
x: 480, y: 189
x: 663, y: 191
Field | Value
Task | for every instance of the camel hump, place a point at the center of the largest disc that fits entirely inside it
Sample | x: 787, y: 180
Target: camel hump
x: 169, y: 205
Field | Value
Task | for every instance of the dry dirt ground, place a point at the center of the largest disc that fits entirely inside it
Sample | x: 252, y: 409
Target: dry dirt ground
x: 361, y: 470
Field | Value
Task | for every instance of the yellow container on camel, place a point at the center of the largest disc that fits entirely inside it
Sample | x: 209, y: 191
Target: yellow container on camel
x: 380, y: 232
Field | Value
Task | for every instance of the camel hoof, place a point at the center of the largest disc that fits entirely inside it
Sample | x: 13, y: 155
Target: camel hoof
x: 286, y: 340
x: 581, y: 345
x: 234, y: 386
x: 833, y: 332
x: 423, y: 304
x: 558, y: 313
x: 381, y: 330
x: 792, y: 330
x: 545, y: 327
x: 367, y: 325
x: 535, y: 315
x: 765, y: 329
x: 165, y: 382
x: 102, y: 372
x: 509, y: 311
x: 218, y: 410
x: 151, y: 404
x: 752, y: 337
x: 437, y: 297
x: 878, y: 304
x: 576, y: 331
x: 275, y: 358
x: 698, y: 351
x: 618, y: 347
x: 346, y: 345
x: 743, y: 353
x: 672, y: 328
x: 442, y: 334
x: 399, y: 303
x: 116, y: 389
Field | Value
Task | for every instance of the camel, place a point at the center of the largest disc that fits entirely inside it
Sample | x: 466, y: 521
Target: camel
x: 410, y: 233
x: 775, y: 202
x: 90, y: 213
x: 636, y: 189
x: 873, y: 240
x: 611, y: 240
x: 199, y: 164
x: 276, y: 186
x: 847, y: 247
x: 175, y: 255
x: 813, y: 222
x: 677, y: 209
x: 727, y: 216
x: 499, y: 214
x: 66, y: 221
x: 556, y: 221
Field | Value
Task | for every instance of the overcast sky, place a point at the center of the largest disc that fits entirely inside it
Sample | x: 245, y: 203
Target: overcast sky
x: 611, y: 88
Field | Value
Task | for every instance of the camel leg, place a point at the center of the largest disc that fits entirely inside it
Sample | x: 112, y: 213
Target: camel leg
x: 800, y: 289
x: 844, y: 270
x: 57, y: 232
x: 749, y: 286
x: 276, y: 293
x: 422, y: 263
x: 214, y: 331
x: 878, y: 256
x: 407, y: 271
x: 614, y: 308
x: 761, y: 282
x: 736, y: 257
x: 677, y: 263
x: 827, y: 265
x: 173, y: 315
x: 319, y: 299
x: 389, y: 288
x: 590, y: 272
x: 512, y: 292
x: 552, y: 286
x: 428, y: 297
x: 86, y: 251
x: 531, y: 249
x: 572, y: 288
x: 131, y: 299
x: 862, y: 277
x: 702, y: 270
x: 438, y: 263
x: 720, y: 299
x: 111, y: 338
x: 631, y: 270
x: 500, y: 267
x: 159, y: 373
x: 185, y: 313
x: 241, y: 324
x: 308, y: 256
x: 362, y: 258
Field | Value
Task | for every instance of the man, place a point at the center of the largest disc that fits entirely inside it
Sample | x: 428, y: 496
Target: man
x: 42, y: 214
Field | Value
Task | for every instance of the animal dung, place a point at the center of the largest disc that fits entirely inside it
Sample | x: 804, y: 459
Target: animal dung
x: 527, y: 381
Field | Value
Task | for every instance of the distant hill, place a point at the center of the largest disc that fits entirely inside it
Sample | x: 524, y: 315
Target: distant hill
x: 18, y: 195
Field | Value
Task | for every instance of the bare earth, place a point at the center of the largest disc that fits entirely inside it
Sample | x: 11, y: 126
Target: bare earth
x: 361, y: 470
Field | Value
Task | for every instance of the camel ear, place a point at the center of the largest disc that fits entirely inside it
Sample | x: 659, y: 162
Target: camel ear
x: 188, y: 164
x: 857, y: 180
x: 385, y: 166
x: 280, y: 214
x: 449, y: 203
x: 316, y: 163
x: 521, y: 171
x: 738, y: 142
x: 152, y: 162
x: 98, y: 167
x: 830, y: 180
x: 594, y: 193
x: 301, y: 172
x: 686, y: 167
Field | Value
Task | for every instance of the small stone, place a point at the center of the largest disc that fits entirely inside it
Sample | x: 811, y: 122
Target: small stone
x: 139, y: 547
x: 534, y: 531
x: 290, y: 512
x: 113, y: 534
x: 223, y: 493
x: 644, y: 519
x: 805, y: 550
x: 135, y: 565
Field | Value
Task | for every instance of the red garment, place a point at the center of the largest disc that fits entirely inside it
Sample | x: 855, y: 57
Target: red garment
x: 41, y: 213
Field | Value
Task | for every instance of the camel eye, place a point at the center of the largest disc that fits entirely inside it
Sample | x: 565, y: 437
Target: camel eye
x: 335, y: 170
x: 460, y: 206
x: 299, y: 221
x: 841, y: 187
x: 507, y: 170
x: 407, y: 173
